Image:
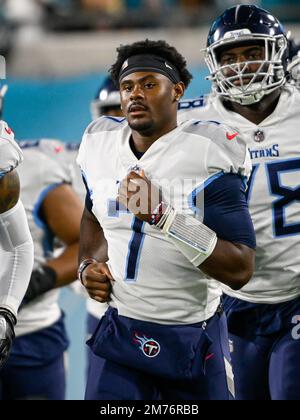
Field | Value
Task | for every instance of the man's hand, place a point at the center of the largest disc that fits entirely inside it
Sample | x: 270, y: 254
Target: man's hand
x: 97, y: 279
x: 7, y: 323
x: 139, y: 195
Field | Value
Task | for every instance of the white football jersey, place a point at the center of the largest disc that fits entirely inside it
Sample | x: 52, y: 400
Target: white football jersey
x: 273, y: 193
x: 153, y: 280
x: 39, y: 173
x: 10, y: 152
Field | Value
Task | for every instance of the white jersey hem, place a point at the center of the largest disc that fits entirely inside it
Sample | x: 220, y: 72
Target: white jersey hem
x: 24, y: 329
x: 199, y: 317
x: 247, y: 297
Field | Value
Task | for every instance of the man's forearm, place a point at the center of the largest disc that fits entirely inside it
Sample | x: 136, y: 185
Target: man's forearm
x: 55, y: 273
x: 225, y: 261
x: 65, y: 265
x: 231, y: 264
x: 92, y: 240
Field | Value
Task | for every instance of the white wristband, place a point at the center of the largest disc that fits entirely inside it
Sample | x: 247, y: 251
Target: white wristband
x: 195, y: 240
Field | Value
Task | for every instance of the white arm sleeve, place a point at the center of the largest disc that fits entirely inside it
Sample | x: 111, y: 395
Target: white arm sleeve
x: 16, y: 257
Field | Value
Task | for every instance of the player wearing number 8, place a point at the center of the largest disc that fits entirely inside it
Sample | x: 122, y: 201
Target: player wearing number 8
x: 247, y: 57
x: 164, y: 335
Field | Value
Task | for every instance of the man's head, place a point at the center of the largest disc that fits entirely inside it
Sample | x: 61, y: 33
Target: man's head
x: 246, y: 54
x: 152, y: 77
x: 107, y: 100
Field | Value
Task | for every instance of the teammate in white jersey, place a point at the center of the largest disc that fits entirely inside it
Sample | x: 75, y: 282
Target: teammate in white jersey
x: 163, y: 335
x: 246, y: 55
x: 16, y: 248
x: 35, y: 368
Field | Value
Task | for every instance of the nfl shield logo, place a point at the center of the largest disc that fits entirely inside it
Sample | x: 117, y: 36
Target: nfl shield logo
x: 259, y: 136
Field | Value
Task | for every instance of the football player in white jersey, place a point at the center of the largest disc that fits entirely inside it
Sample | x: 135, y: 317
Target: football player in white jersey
x: 35, y: 368
x: 164, y: 335
x: 246, y: 54
x: 16, y: 248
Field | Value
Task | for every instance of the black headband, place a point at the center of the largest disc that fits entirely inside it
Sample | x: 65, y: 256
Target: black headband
x: 149, y: 62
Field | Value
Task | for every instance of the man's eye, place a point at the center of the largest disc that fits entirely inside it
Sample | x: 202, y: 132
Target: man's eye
x: 127, y: 88
x: 149, y: 85
x: 227, y: 60
x: 254, y: 57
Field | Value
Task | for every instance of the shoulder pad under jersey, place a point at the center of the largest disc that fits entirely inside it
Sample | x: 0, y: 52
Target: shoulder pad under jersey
x: 226, y: 144
x: 105, y: 123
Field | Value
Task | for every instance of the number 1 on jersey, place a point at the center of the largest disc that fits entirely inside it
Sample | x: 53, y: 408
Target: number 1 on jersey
x: 134, y: 250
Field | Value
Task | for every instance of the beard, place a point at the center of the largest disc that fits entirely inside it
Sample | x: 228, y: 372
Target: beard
x: 141, y: 126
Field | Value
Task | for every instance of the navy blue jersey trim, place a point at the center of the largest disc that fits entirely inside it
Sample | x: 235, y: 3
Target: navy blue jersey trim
x: 225, y: 209
x: 88, y: 197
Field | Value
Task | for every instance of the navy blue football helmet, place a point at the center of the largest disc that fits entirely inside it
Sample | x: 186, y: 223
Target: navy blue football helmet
x: 247, y: 25
x: 107, y: 97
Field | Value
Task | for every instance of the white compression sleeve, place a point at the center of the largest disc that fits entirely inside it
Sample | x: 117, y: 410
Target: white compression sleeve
x: 16, y: 257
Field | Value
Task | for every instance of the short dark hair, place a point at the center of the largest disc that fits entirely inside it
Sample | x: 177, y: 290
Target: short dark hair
x: 160, y: 48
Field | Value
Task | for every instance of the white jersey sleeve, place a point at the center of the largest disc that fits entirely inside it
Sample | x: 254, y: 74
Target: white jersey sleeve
x: 10, y: 152
x: 227, y: 152
x: 100, y: 126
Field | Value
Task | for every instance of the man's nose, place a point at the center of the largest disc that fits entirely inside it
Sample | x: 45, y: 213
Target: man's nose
x: 136, y: 92
x: 240, y: 58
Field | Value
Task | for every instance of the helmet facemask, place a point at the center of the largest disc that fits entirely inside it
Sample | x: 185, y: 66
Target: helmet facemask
x: 253, y: 85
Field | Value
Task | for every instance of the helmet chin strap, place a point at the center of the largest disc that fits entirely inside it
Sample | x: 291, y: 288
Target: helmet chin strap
x: 235, y: 95
x: 250, y: 98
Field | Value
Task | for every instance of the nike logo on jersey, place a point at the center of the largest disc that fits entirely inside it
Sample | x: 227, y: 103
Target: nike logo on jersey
x: 231, y: 136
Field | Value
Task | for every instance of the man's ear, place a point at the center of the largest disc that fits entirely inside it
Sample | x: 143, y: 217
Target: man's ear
x: 179, y: 90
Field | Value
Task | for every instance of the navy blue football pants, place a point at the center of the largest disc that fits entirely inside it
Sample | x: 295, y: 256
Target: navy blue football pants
x: 33, y: 383
x: 35, y: 368
x: 193, y: 362
x: 266, y: 349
